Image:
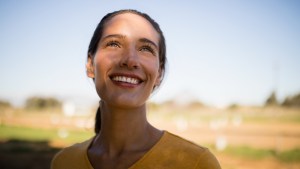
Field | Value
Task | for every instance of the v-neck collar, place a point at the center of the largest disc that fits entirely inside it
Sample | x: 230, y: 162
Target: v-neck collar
x: 144, y: 157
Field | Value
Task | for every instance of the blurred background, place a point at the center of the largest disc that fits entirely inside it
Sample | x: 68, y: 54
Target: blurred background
x: 231, y: 84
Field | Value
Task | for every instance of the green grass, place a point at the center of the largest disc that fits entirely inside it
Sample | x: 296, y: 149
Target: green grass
x: 257, y: 154
x: 290, y: 156
x: 35, y: 134
x: 249, y: 152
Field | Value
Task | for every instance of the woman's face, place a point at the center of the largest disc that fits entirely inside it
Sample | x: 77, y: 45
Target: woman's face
x: 126, y: 64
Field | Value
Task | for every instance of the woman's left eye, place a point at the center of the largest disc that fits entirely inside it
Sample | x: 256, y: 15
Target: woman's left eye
x: 147, y: 49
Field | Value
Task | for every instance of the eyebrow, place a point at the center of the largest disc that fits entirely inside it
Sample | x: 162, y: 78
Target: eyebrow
x: 114, y: 36
x: 143, y: 40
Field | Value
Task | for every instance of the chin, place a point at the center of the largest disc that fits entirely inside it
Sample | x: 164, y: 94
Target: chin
x: 125, y: 103
x: 128, y: 106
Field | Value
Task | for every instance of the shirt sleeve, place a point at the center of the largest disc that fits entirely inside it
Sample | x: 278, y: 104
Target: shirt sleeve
x: 207, y: 161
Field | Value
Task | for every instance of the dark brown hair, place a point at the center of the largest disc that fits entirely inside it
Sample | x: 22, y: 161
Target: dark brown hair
x: 98, y: 34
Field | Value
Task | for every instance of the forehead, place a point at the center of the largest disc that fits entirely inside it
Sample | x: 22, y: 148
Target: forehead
x: 131, y: 25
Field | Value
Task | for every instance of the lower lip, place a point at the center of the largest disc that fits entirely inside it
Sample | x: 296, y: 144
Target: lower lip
x: 125, y: 85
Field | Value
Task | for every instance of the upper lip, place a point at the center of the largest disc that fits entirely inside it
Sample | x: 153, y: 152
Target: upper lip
x: 140, y: 79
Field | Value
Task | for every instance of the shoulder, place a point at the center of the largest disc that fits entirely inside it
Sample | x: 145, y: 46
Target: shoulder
x: 180, y: 144
x: 192, y: 153
x: 66, y: 158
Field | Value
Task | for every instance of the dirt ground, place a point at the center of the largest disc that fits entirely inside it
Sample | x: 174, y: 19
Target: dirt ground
x: 272, y: 134
x: 16, y: 154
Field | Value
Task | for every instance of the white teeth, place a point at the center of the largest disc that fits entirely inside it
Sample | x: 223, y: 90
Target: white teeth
x: 125, y: 79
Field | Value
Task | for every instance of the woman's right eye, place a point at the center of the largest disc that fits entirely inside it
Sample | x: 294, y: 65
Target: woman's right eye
x: 113, y: 44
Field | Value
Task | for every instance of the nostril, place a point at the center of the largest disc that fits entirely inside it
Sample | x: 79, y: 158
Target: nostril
x: 129, y: 63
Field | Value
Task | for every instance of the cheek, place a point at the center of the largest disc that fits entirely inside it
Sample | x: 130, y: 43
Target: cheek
x: 103, y: 63
x: 153, y: 68
x: 102, y: 66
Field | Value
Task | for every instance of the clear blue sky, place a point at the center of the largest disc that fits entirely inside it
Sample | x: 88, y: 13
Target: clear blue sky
x: 219, y: 52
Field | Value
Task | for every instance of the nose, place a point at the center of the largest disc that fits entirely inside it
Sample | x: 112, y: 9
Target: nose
x: 130, y: 59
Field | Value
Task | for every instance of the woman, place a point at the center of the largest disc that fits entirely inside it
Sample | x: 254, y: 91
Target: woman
x: 126, y: 60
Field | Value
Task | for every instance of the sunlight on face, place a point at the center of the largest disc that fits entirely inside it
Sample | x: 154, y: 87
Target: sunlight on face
x: 126, y: 63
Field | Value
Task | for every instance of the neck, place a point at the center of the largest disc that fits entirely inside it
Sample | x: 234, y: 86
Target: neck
x: 124, y: 129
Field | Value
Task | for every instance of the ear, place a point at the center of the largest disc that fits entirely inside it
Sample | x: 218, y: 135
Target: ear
x: 158, y: 78
x: 90, y: 67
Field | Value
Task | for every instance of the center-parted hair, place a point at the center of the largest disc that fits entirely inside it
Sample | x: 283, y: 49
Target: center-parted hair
x: 98, y: 35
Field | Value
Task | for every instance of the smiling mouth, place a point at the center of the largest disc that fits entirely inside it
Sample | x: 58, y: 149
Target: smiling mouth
x: 125, y: 79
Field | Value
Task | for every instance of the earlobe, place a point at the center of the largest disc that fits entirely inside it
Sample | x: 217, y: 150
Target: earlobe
x: 157, y: 82
x: 90, y: 67
x: 158, y: 79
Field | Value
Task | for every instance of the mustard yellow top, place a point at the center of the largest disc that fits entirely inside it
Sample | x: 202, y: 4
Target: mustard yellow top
x: 170, y: 152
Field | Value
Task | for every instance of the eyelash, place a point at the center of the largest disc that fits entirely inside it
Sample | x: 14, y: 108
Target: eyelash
x: 146, y: 47
x: 113, y: 44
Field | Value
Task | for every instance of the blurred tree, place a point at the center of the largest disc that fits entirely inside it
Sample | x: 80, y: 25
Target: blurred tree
x: 4, y: 104
x: 272, y: 100
x: 292, y: 101
x: 233, y: 106
x: 39, y: 103
x: 195, y: 104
